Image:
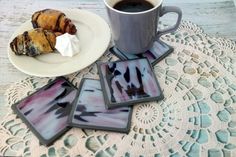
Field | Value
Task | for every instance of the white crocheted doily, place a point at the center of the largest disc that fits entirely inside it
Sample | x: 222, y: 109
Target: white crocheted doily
x: 196, y: 118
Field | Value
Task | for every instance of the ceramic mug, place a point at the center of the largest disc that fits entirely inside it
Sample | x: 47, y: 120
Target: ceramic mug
x: 135, y: 32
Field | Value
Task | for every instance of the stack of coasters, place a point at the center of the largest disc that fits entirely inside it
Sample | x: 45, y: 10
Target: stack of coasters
x: 103, y: 104
x: 128, y: 82
x: 89, y: 111
x: 46, y: 111
x: 155, y: 54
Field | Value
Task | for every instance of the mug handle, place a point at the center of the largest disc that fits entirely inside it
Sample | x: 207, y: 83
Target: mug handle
x: 165, y: 10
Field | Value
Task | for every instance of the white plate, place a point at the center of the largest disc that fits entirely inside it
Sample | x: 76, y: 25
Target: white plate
x: 93, y: 33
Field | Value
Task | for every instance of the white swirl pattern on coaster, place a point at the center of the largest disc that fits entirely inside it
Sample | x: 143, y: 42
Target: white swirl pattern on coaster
x: 90, y: 112
x: 127, y: 81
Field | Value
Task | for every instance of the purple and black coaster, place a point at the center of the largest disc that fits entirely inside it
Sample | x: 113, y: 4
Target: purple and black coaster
x: 46, y: 111
x: 89, y: 111
x: 158, y: 52
x: 128, y: 82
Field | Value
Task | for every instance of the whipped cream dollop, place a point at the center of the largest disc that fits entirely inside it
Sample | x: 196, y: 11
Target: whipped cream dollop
x: 67, y: 44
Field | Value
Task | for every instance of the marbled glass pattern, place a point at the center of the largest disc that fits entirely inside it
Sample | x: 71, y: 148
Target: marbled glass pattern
x: 154, y: 54
x: 129, y: 80
x: 90, y: 109
x: 48, y: 109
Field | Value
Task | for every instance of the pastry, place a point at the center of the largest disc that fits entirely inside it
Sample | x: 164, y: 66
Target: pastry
x: 54, y: 20
x: 34, y: 42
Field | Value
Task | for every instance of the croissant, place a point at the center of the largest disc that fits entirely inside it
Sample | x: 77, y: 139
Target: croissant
x: 53, y: 20
x: 34, y: 42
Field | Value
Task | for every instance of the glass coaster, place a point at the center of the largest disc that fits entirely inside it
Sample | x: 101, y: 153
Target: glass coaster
x: 89, y: 111
x: 46, y: 111
x: 128, y: 82
x: 158, y: 52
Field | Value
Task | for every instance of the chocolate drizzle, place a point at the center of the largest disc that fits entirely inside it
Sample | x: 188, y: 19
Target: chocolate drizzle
x: 26, y: 40
x: 67, y: 21
x: 49, y: 42
x: 57, y: 26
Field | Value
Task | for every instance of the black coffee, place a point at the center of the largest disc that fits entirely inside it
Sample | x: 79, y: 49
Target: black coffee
x: 133, y: 5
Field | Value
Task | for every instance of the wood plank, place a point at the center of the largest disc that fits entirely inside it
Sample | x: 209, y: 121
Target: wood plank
x: 216, y: 18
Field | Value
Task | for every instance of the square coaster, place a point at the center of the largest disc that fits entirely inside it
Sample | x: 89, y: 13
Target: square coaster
x: 128, y: 82
x: 158, y: 52
x: 46, y: 111
x: 89, y: 111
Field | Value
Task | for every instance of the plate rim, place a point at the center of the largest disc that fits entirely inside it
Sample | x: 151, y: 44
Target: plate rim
x: 57, y: 74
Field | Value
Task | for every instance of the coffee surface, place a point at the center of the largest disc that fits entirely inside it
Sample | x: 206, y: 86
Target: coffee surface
x: 133, y: 5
